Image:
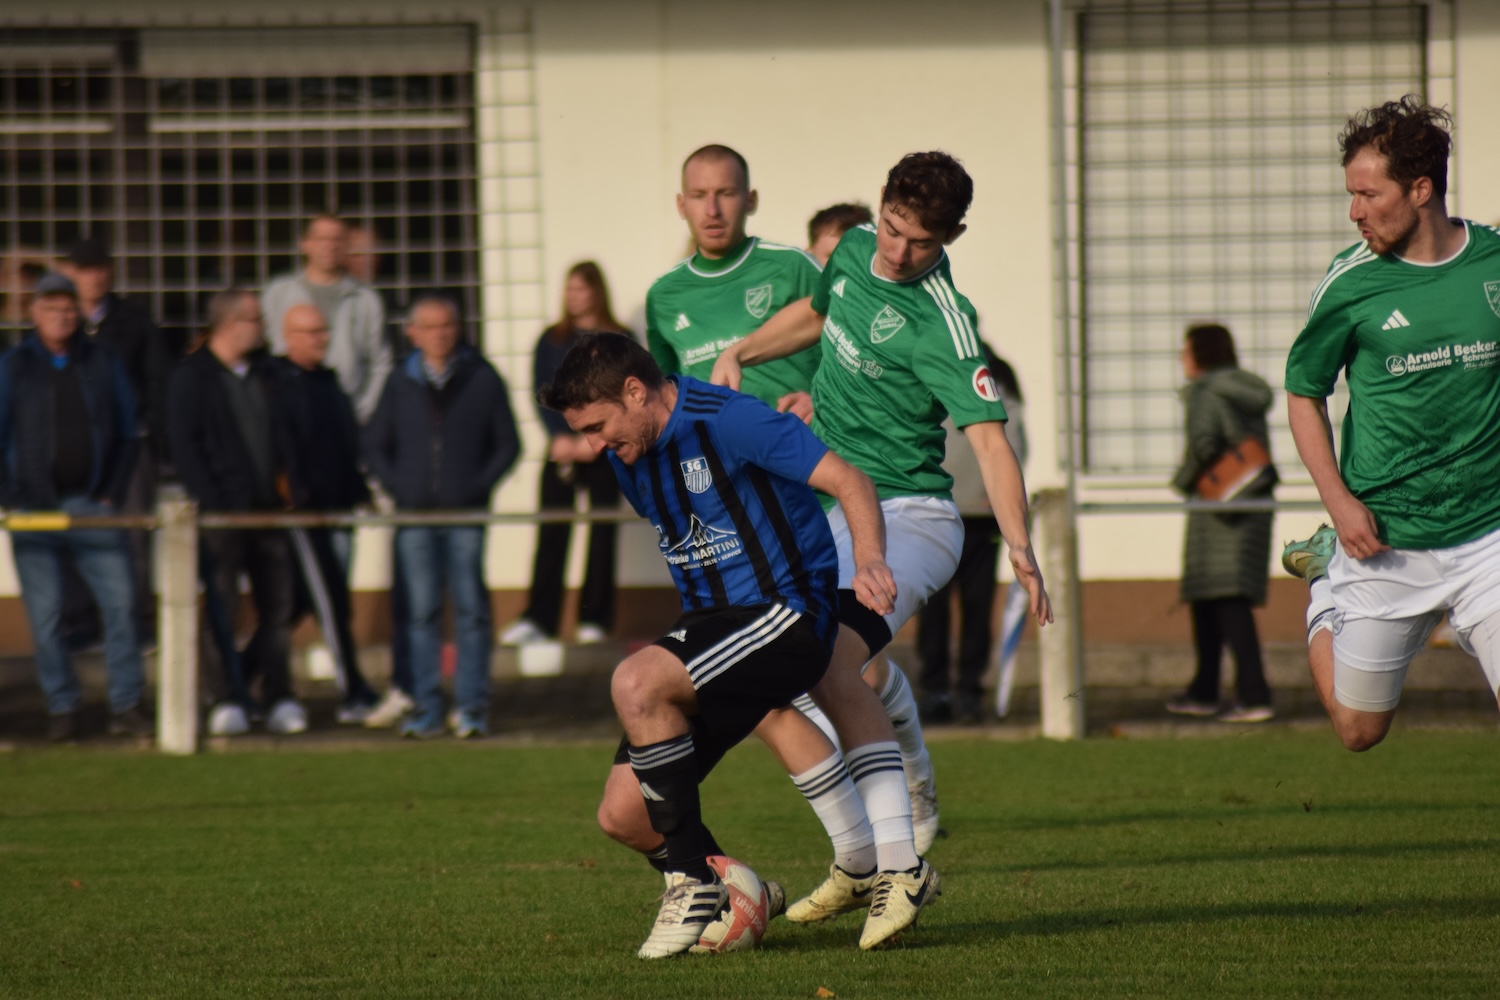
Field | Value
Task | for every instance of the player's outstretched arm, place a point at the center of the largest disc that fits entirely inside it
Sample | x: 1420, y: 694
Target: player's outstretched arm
x: 874, y: 584
x: 1006, y: 488
x: 1358, y: 533
x: 795, y: 327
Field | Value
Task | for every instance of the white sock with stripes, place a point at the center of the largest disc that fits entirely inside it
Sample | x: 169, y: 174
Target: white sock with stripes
x: 804, y: 704
x: 876, y: 769
x: 1320, y: 609
x: 901, y: 706
x: 831, y: 793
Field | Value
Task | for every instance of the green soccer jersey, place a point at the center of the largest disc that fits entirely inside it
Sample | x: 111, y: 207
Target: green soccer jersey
x: 1420, y: 347
x: 701, y: 306
x: 897, y: 358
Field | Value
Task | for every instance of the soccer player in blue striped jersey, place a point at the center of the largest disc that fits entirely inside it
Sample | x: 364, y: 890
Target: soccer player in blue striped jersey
x: 728, y: 484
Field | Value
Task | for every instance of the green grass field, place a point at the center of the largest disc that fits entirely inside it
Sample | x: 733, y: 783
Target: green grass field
x: 1272, y: 863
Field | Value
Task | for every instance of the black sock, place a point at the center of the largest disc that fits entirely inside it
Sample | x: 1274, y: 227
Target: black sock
x: 668, y: 774
x: 658, y: 858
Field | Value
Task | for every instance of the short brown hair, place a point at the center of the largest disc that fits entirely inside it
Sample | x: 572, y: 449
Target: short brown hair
x: 715, y: 151
x: 932, y: 186
x: 1412, y: 135
x: 840, y: 218
x: 595, y: 371
x: 1212, y: 346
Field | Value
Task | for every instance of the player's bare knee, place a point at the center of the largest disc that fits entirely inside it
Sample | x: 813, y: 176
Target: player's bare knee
x: 1360, y: 738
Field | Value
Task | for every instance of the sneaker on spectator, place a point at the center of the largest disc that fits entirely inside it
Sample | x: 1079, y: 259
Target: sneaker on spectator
x: 390, y: 710
x: 62, y: 727
x: 287, y: 718
x: 354, y: 713
x: 1188, y: 705
x: 228, y: 719
x: 422, y: 727
x: 587, y: 634
x: 521, y: 632
x: 469, y: 725
x: 1248, y: 713
x: 132, y: 722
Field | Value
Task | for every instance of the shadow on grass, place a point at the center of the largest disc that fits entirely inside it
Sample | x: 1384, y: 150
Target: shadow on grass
x: 1459, y: 910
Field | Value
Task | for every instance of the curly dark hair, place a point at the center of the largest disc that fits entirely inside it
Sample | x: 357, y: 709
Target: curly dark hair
x: 1412, y: 135
x: 932, y: 186
x: 595, y: 371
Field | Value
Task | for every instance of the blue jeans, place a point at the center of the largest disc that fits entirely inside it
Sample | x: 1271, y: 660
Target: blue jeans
x: 431, y: 558
x: 103, y: 560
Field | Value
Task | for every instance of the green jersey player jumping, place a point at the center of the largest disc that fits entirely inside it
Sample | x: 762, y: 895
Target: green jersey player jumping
x: 1412, y: 318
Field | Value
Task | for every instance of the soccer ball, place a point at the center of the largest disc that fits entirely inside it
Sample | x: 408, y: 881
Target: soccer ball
x: 752, y: 903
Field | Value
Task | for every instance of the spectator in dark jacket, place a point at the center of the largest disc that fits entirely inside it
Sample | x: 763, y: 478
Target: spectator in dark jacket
x: 440, y: 439
x: 219, y: 405
x: 319, y: 438
x: 67, y: 442
x: 127, y: 330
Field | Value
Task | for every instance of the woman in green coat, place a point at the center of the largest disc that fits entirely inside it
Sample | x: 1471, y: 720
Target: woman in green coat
x: 1226, y: 557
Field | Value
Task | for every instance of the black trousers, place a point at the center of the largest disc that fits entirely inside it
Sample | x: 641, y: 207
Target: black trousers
x: 975, y: 582
x: 266, y: 558
x: 323, y: 590
x: 597, y: 601
x: 1228, y: 621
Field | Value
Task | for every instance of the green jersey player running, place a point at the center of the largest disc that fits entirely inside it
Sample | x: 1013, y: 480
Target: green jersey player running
x: 1412, y: 318
x: 899, y: 353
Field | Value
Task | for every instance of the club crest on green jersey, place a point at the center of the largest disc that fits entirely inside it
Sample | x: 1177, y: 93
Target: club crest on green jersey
x: 695, y: 475
x: 758, y: 301
x: 885, y: 325
x: 1492, y: 294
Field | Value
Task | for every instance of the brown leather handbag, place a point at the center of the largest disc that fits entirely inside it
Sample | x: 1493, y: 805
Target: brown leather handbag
x: 1241, y: 467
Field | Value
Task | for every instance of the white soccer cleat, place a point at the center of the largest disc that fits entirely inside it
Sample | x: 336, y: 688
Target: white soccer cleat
x: 924, y: 814
x: 686, y: 909
x: 839, y: 893
x: 897, y: 900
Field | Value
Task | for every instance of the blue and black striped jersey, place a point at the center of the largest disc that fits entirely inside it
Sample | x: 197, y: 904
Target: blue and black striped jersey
x: 725, y: 486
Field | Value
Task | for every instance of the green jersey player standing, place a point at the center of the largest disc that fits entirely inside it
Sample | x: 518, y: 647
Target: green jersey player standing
x: 1412, y: 318
x: 730, y: 285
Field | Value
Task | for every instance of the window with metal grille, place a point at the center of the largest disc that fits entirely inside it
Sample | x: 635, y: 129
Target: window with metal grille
x: 1209, y: 188
x: 200, y: 154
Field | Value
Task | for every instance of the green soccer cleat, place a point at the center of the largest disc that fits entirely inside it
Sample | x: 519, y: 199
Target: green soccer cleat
x: 1309, y: 560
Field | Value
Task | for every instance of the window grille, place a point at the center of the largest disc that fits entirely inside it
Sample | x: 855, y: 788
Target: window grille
x: 1204, y: 145
x: 199, y: 154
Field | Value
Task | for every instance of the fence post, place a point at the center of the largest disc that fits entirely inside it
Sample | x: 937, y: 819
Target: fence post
x: 177, y: 706
x: 1061, y: 642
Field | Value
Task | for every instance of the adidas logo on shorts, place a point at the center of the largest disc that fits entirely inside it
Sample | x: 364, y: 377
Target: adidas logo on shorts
x: 680, y: 635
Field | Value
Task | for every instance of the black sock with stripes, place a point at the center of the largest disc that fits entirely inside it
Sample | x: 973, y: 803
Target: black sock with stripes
x: 668, y: 774
x: 658, y: 858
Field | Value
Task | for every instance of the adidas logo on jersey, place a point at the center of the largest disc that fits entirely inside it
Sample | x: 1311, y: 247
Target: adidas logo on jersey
x: 680, y: 635
x: 838, y: 287
x: 682, y: 322
x: 1395, y: 321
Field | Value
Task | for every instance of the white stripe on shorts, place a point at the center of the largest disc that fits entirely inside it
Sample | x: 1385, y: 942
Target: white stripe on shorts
x: 737, y: 645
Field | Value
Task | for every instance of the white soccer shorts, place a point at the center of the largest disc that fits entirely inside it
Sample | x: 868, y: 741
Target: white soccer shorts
x: 924, y: 537
x: 1387, y: 606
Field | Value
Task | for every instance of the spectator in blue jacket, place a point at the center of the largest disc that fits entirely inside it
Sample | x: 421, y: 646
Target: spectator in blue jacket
x: 441, y: 437
x: 67, y: 442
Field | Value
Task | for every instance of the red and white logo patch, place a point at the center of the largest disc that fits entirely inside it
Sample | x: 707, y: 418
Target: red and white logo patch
x: 984, y: 385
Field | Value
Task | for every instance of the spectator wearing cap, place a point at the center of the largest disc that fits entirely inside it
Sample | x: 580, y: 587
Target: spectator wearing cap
x: 129, y: 331
x: 357, y: 346
x: 67, y: 442
x: 224, y: 445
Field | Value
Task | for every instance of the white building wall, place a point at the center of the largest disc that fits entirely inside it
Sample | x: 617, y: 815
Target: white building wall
x: 822, y: 99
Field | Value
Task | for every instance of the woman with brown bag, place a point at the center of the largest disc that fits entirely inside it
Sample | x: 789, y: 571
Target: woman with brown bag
x: 1225, y: 557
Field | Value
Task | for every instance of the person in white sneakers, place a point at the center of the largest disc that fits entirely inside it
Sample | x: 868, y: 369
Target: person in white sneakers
x: 1411, y: 316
